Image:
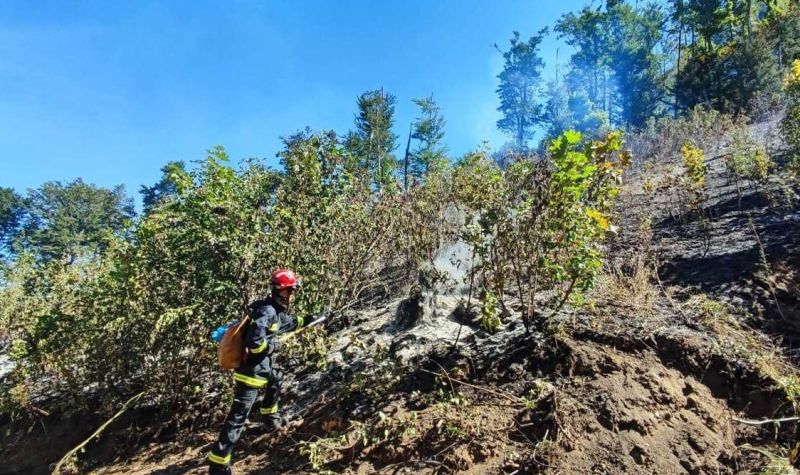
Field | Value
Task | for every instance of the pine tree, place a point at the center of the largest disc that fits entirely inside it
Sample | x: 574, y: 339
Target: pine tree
x: 617, y: 61
x: 587, y: 32
x: 635, y: 62
x: 64, y: 220
x: 519, y: 86
x: 428, y: 131
x: 372, y: 142
x: 739, y: 53
x: 557, y: 112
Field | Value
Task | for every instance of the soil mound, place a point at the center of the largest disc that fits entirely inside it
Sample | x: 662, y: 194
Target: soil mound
x: 631, y: 414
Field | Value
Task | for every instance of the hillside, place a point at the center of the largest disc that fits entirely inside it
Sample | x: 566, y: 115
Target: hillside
x: 671, y: 364
x: 537, y: 237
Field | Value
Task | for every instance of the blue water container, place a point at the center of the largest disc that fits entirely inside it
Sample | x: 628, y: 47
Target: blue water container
x: 219, y: 332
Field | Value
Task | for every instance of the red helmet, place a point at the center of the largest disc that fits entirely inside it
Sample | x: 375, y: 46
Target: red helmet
x: 284, y: 278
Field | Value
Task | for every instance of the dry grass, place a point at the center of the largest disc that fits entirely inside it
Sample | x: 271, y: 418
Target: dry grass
x: 630, y: 287
x: 776, y: 464
x: 628, y: 274
x: 734, y: 340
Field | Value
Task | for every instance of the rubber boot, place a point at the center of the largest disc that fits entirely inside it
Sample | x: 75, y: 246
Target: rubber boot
x: 272, y: 423
x: 214, y: 469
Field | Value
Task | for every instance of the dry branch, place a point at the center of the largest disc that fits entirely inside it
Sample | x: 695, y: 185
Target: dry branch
x: 766, y: 421
x: 72, y: 452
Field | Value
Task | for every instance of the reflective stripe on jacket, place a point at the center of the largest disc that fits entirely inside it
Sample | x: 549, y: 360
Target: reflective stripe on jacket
x: 268, y: 320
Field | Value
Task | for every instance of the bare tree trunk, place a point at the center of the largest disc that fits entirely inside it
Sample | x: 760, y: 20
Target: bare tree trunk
x: 407, y: 159
x: 469, y: 296
x: 749, y: 21
x: 521, y: 121
x: 680, y: 50
x: 380, y: 152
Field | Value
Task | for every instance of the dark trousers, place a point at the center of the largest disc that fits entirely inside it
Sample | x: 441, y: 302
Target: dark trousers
x: 244, y: 397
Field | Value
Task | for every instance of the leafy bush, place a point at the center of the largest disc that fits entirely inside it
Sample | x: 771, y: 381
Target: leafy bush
x: 791, y: 122
x: 490, y: 320
x: 137, y: 318
x: 662, y: 139
x: 308, y: 349
x: 538, y: 225
x: 39, y: 307
x: 694, y: 177
x: 747, y: 160
x: 694, y: 194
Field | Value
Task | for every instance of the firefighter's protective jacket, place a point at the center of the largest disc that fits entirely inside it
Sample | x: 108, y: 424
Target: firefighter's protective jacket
x: 268, y: 320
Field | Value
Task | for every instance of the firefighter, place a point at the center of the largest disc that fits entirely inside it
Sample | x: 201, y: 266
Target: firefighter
x: 268, y: 319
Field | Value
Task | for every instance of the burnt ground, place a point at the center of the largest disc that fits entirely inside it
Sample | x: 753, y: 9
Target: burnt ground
x: 686, y: 343
x: 742, y: 247
x: 589, y: 400
x: 597, y: 393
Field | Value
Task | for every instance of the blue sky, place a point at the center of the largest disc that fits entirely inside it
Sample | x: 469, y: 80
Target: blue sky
x: 110, y: 91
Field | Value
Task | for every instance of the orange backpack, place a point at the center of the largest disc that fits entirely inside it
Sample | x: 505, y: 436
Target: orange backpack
x: 231, y: 351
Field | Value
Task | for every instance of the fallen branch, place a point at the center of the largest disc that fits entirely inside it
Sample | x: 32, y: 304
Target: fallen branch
x: 479, y: 388
x: 449, y: 379
x: 72, y: 452
x: 320, y: 319
x: 765, y: 421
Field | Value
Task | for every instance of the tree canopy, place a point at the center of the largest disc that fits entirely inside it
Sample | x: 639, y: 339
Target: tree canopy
x: 428, y: 131
x: 65, y: 220
x: 372, y: 143
x: 520, y: 104
x: 12, y: 211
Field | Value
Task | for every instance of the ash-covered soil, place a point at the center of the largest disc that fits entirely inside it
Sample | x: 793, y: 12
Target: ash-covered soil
x: 586, y: 402
x: 603, y: 397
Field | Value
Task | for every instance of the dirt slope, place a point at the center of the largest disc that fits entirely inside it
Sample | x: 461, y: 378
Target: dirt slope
x: 572, y: 404
x: 655, y: 399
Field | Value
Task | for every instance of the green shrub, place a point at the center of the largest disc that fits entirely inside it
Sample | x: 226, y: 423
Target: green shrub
x: 490, y: 319
x: 138, y: 317
x: 539, y: 224
x: 748, y: 160
x: 791, y: 122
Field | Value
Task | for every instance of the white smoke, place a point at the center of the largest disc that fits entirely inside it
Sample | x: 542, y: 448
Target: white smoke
x: 455, y: 261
